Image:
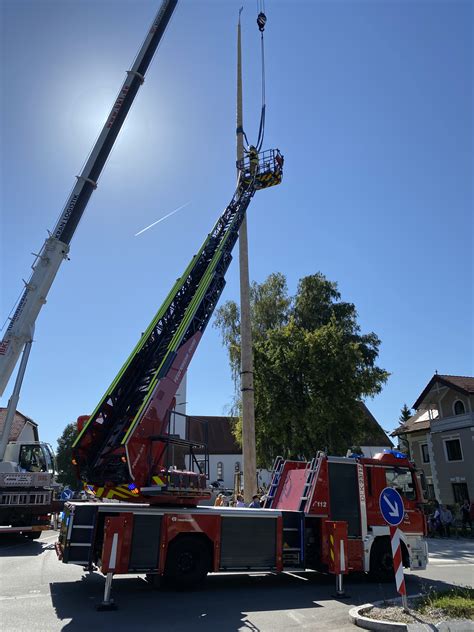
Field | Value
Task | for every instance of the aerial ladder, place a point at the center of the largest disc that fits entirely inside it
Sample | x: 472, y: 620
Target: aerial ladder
x: 19, y: 334
x: 122, y: 450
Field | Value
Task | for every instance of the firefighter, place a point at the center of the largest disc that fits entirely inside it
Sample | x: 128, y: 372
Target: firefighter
x: 279, y: 159
x: 253, y: 157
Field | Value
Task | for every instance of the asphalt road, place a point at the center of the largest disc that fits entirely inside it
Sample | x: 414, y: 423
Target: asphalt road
x: 39, y: 593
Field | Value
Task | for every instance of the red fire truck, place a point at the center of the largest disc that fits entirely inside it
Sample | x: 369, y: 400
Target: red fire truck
x: 181, y: 545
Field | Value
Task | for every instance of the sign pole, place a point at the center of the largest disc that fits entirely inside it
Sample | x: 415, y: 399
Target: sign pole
x: 393, y: 510
x: 398, y: 565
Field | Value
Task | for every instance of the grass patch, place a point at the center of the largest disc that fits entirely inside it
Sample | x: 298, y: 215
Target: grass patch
x: 457, y: 603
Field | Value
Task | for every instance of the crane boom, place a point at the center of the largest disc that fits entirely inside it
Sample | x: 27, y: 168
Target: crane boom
x: 56, y: 247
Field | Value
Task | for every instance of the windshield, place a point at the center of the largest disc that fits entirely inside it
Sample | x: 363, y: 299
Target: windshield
x: 36, y: 457
x: 401, y: 479
x: 32, y: 458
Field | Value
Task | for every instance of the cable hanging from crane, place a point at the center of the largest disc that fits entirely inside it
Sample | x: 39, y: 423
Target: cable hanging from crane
x: 261, y: 22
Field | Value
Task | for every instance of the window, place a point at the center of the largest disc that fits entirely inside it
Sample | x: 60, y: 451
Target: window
x: 401, y: 479
x: 430, y: 491
x: 459, y: 408
x: 425, y: 455
x: 32, y: 459
x: 453, y: 450
x: 220, y: 471
x: 460, y: 492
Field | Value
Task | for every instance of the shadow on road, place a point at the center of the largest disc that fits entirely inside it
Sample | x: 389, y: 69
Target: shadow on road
x: 20, y: 546
x: 224, y: 602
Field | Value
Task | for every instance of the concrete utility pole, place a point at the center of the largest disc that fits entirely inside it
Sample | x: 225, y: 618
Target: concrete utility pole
x: 246, y: 360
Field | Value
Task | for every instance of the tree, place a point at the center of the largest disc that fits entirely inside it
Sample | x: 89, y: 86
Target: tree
x: 312, y: 366
x: 66, y: 473
x: 405, y: 415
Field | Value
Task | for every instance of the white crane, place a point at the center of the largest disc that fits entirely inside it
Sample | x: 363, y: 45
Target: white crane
x: 19, y: 334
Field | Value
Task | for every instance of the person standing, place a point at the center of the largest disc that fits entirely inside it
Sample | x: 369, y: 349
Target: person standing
x: 255, y: 504
x: 253, y: 157
x: 446, y: 518
x: 466, y: 515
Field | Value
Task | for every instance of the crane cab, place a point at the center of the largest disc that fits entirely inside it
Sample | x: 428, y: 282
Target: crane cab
x: 267, y: 173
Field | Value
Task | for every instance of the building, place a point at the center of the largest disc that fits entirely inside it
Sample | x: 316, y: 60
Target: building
x: 440, y: 437
x: 374, y: 439
x: 23, y: 428
x: 225, y: 454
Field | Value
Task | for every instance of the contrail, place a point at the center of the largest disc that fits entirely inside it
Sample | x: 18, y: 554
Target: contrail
x: 161, y: 219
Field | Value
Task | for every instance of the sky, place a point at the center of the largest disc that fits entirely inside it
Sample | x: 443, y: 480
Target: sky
x: 371, y: 104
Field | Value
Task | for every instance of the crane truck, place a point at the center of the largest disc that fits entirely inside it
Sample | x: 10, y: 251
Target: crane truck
x: 25, y: 495
x: 27, y: 485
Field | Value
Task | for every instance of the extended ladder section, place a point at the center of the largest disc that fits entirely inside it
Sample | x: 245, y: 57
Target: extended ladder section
x: 124, y: 441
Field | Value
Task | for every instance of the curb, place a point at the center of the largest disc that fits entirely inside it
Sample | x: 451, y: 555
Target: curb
x: 376, y: 624
x: 397, y: 626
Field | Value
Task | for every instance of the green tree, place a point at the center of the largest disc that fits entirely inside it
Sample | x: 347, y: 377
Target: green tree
x: 312, y: 365
x: 405, y: 415
x: 66, y: 472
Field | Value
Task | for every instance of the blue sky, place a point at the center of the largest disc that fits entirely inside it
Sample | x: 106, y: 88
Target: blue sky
x: 371, y: 103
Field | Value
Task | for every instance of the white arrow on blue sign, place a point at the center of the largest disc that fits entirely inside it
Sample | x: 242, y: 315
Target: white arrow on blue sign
x: 391, y: 506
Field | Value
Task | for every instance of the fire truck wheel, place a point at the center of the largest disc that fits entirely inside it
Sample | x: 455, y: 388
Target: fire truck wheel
x: 381, y: 562
x: 187, y: 562
x: 33, y: 535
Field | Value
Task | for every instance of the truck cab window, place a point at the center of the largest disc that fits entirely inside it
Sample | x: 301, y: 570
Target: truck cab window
x: 401, y: 479
x: 49, y: 458
x: 32, y: 459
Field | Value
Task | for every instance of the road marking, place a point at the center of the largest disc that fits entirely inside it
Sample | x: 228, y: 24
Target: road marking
x: 295, y: 617
x: 24, y: 597
x: 305, y: 579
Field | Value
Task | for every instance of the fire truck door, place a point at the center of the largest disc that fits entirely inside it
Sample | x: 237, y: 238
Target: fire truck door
x: 344, y: 495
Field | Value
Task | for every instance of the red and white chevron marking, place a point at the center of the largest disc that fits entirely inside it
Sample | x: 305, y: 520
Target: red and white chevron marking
x: 397, y: 560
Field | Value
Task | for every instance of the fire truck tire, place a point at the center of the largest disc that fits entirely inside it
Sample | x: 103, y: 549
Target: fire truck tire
x: 381, y: 562
x: 32, y: 535
x: 187, y: 563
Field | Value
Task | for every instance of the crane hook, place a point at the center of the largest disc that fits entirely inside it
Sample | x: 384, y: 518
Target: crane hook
x: 261, y: 21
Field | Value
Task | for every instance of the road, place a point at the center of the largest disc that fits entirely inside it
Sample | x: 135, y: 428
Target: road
x: 37, y: 592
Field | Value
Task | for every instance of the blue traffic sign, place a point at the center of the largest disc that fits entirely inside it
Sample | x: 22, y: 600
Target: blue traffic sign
x: 66, y: 494
x: 391, y: 506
